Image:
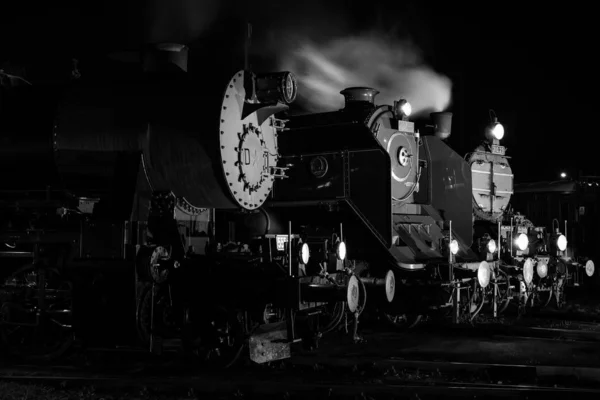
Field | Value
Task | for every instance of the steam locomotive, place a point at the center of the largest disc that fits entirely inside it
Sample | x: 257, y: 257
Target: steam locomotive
x: 404, y: 199
x: 229, y: 223
x: 121, y: 214
x: 530, y: 263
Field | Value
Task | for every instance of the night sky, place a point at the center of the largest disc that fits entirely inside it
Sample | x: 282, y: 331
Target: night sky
x: 535, y: 67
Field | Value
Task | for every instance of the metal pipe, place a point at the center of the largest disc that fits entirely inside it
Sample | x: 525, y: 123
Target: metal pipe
x: 567, y: 248
x: 450, y: 253
x: 499, y: 237
x: 17, y: 254
x: 327, y: 293
x: 373, y: 281
x: 247, y: 44
x: 290, y: 247
x: 511, y: 236
x: 471, y: 266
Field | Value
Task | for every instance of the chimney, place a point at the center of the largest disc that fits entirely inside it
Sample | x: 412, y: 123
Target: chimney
x: 442, y: 124
x: 359, y: 96
x: 165, y: 57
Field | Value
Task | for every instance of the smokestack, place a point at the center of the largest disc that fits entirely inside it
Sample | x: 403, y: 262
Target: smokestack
x: 442, y: 124
x: 359, y: 96
x: 165, y: 57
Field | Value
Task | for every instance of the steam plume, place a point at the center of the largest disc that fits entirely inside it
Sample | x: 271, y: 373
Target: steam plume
x: 392, y: 67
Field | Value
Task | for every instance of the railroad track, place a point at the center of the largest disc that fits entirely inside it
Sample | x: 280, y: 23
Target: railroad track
x: 274, y: 383
x: 355, y: 369
x: 589, y: 334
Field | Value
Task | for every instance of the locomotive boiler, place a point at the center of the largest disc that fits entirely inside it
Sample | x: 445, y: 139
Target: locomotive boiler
x: 124, y: 199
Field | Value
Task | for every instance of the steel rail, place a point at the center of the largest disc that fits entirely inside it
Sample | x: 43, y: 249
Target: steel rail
x: 252, y: 385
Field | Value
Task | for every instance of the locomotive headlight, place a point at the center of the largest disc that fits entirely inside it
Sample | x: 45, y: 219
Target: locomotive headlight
x: 491, y: 246
x: 484, y: 274
x: 561, y: 243
x: 522, y: 241
x: 542, y: 269
x: 454, y: 246
x: 494, y: 130
x: 341, y: 251
x: 404, y: 108
x: 305, y: 253
x: 276, y: 87
x: 528, y: 271
x: 498, y: 131
x: 589, y: 268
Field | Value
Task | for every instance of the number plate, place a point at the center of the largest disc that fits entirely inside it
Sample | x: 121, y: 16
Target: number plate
x: 496, y: 149
x: 281, y: 241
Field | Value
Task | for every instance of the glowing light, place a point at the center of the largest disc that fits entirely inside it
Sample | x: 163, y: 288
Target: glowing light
x: 563, y: 174
x: 528, y: 271
x: 484, y: 274
x: 561, y: 243
x: 492, y: 246
x: 454, y: 246
x: 341, y: 251
x: 305, y: 253
x: 542, y: 269
x: 405, y: 108
x: 498, y: 131
x: 522, y: 241
x: 589, y: 268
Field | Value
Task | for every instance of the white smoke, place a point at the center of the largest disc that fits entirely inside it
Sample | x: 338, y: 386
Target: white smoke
x: 393, y: 67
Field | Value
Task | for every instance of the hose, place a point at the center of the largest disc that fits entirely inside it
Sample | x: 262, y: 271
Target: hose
x: 268, y: 218
x: 337, y: 318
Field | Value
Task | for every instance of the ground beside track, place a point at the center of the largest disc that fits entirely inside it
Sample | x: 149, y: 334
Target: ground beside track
x: 429, y: 362
x: 388, y: 363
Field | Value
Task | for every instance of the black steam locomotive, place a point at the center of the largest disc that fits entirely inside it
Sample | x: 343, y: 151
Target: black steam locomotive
x: 166, y: 209
x: 404, y: 200
x: 118, y: 209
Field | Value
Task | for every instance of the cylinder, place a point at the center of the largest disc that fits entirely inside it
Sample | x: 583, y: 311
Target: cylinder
x: 320, y: 293
x: 442, y: 124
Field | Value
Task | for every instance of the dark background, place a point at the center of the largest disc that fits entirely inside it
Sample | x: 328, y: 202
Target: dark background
x: 535, y: 66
